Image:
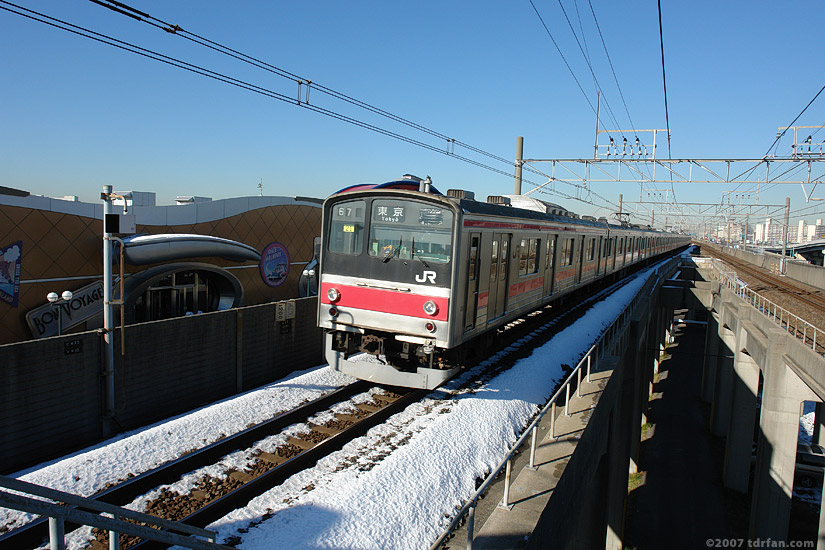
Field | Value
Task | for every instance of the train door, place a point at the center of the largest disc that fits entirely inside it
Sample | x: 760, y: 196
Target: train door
x: 580, y: 260
x: 599, y: 256
x: 499, y: 269
x: 471, y: 306
x: 611, y: 253
x: 549, y: 264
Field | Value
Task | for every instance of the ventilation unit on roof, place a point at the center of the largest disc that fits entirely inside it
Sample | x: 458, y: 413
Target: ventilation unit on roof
x: 461, y: 194
x: 498, y: 199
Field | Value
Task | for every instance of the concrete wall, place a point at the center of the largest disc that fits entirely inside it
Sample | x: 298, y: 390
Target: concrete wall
x: 748, y: 346
x: 797, y: 270
x: 586, y: 509
x: 52, y: 390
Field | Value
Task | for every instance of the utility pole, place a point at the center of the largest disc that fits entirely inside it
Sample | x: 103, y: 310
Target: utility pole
x: 108, y: 313
x: 785, y: 235
x: 620, y: 207
x: 519, y: 162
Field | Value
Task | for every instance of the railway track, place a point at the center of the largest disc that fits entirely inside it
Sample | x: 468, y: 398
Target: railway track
x: 799, y: 292
x: 207, y: 503
x: 269, y: 470
x: 795, y: 307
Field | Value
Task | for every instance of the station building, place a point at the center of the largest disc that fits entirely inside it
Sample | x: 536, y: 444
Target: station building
x: 196, y: 256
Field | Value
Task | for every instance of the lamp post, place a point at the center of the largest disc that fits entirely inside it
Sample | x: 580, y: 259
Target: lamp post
x: 54, y: 299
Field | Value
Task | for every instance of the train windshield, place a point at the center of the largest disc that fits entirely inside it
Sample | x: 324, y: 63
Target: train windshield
x: 410, y: 230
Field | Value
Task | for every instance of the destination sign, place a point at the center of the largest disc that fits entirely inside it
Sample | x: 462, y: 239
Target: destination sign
x: 390, y: 214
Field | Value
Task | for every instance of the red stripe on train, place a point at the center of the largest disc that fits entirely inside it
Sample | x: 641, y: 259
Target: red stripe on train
x: 526, y: 286
x: 385, y: 301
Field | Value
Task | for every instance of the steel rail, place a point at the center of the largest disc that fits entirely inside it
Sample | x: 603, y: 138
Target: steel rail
x: 277, y: 475
x: 33, y: 533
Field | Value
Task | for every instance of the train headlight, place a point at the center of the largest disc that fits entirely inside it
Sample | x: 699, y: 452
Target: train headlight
x: 430, y: 308
x: 333, y: 295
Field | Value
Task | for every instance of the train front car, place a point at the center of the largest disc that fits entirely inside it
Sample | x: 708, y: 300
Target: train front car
x: 385, y: 285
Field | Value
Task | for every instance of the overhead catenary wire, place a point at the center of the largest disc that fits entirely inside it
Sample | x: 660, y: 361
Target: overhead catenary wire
x: 778, y: 137
x: 186, y: 34
x: 664, y: 78
x: 111, y: 41
x: 564, y: 59
x: 168, y: 60
x: 589, y: 65
x: 610, y: 62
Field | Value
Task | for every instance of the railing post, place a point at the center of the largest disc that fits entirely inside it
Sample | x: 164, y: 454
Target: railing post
x: 567, y: 399
x: 471, y: 519
x: 505, y: 502
x: 553, y: 420
x: 57, y: 534
x: 588, y: 368
x: 114, y: 537
x: 533, y: 438
x: 579, y: 381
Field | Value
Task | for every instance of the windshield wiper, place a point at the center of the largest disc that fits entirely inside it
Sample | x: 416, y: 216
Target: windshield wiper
x: 390, y: 253
x: 419, y: 259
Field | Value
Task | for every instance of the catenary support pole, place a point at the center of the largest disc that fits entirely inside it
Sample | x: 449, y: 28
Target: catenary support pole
x: 519, y: 162
x: 108, y: 313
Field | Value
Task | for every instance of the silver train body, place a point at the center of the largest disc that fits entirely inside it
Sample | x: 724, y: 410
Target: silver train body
x: 410, y: 281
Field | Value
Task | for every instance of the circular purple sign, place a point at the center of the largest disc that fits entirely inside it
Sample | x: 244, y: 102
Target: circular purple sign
x: 274, y: 264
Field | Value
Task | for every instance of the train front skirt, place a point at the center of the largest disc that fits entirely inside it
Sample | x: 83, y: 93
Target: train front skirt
x: 367, y: 367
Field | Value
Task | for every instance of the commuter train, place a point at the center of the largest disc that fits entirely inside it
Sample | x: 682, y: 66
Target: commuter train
x: 411, y: 280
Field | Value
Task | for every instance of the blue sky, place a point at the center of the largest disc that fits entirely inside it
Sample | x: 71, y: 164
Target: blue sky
x: 77, y: 114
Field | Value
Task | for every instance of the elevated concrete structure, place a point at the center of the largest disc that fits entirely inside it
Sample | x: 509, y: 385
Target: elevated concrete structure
x: 577, y: 496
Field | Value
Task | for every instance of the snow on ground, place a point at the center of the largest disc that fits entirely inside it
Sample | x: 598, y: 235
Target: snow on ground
x: 88, y: 471
x: 398, y: 486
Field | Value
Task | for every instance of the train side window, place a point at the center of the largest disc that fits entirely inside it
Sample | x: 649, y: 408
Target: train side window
x: 503, y: 262
x: 567, y: 252
x: 590, y: 249
x: 522, y: 264
x: 346, y: 228
x: 473, y: 258
x: 532, y: 265
x: 494, y: 261
x: 528, y: 256
x: 551, y: 249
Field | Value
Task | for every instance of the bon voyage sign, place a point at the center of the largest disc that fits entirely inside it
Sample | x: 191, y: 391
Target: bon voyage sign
x: 86, y: 302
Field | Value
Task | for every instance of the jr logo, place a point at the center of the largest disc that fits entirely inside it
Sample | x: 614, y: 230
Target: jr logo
x: 424, y: 276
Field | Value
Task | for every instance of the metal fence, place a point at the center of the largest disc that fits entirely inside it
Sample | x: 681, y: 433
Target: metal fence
x: 64, y: 508
x: 800, y: 328
x: 603, y: 344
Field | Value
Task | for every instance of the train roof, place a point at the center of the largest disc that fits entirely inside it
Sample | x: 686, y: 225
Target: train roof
x: 486, y: 208
x: 503, y: 207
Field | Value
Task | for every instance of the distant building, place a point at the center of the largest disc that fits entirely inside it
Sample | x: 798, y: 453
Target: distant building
x: 801, y: 232
x: 816, y: 231
x: 203, y: 255
x: 768, y: 232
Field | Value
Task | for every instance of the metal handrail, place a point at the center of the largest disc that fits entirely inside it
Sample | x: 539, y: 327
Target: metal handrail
x: 778, y: 314
x: 60, y: 513
x: 532, y: 429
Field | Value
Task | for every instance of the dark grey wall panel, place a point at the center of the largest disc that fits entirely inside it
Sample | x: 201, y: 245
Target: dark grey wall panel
x: 51, y: 403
